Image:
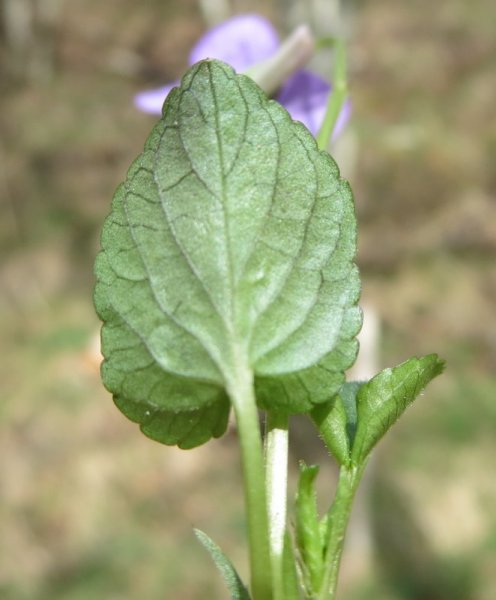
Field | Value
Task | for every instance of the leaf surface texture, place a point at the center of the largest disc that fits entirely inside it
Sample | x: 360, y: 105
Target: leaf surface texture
x: 231, y: 241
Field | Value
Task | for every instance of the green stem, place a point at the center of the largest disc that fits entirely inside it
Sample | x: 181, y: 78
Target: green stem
x: 276, y: 478
x: 243, y: 399
x: 336, y: 98
x: 338, y: 517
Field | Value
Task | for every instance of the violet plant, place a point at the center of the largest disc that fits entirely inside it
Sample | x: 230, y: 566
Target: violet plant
x: 226, y: 280
x: 250, y: 44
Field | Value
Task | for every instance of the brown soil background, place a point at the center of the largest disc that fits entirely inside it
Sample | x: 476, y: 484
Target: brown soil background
x: 89, y: 508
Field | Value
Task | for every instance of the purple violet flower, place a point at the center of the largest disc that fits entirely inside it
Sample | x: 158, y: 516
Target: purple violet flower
x: 243, y: 42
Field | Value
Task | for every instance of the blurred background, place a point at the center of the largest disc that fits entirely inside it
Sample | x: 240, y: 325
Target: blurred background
x: 90, y: 508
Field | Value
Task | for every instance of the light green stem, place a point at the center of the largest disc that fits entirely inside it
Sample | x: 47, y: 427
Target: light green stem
x: 243, y: 399
x: 276, y: 477
x: 336, y: 98
x: 338, y: 517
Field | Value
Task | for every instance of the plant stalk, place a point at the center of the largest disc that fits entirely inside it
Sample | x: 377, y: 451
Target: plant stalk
x: 243, y: 399
x: 338, y: 517
x: 276, y: 478
x: 336, y: 97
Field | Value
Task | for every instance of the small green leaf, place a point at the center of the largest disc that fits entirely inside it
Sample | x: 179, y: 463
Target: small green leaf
x: 330, y: 420
x: 291, y: 586
x: 229, y: 249
x: 382, y: 400
x: 336, y: 421
x: 308, y: 529
x: 233, y: 581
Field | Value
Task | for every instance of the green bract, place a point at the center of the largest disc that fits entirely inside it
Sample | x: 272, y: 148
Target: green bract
x: 309, y: 529
x: 358, y: 416
x: 229, y: 249
x: 382, y: 400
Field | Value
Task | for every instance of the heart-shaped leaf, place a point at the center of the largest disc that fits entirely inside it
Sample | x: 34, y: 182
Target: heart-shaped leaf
x: 229, y: 249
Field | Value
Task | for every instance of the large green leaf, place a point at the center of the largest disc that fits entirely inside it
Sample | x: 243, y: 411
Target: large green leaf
x: 382, y: 400
x: 229, y: 248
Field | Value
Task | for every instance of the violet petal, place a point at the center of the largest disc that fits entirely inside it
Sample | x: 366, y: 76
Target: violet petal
x: 241, y: 41
x: 305, y: 96
x: 151, y: 101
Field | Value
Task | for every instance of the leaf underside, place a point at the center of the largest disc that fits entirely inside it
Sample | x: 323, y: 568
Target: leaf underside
x: 232, y: 239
